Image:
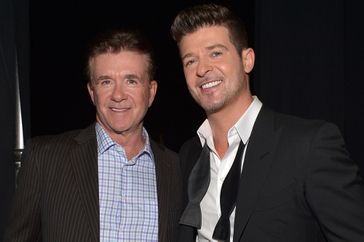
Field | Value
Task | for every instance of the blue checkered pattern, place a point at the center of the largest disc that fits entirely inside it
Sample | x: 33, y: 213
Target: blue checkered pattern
x: 127, y: 192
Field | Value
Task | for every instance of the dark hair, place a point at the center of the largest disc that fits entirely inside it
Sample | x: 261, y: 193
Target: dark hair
x: 115, y: 41
x: 191, y: 19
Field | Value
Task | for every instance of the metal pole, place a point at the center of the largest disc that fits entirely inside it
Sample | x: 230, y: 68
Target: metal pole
x: 19, y: 139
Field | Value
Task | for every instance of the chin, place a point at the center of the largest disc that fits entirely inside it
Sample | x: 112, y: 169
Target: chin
x: 211, y: 110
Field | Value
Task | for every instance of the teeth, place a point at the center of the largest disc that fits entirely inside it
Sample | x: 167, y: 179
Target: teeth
x: 118, y: 109
x: 210, y: 84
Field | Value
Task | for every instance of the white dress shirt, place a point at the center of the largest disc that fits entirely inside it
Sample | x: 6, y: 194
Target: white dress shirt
x: 219, y: 168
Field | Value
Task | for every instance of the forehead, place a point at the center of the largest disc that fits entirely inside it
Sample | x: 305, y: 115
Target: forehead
x: 122, y: 61
x: 205, y: 37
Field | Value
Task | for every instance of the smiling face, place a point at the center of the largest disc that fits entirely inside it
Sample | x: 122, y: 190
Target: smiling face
x: 216, y: 74
x: 121, y: 91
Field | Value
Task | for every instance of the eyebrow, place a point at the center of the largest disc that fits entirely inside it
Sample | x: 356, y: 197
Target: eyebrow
x: 102, y: 78
x: 127, y: 76
x: 132, y: 76
x: 211, y: 47
x: 216, y: 46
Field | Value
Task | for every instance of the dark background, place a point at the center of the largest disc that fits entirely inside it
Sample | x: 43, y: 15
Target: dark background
x: 59, y: 98
x: 310, y: 59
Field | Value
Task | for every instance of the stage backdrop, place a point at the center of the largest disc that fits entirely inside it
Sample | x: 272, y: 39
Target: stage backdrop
x: 308, y: 63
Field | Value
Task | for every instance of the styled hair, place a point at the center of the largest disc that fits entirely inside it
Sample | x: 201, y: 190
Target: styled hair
x: 192, y: 19
x: 115, y: 41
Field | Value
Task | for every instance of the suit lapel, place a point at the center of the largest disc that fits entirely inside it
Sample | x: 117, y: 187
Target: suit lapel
x: 257, y: 164
x: 189, y: 154
x: 162, y: 167
x: 84, y: 163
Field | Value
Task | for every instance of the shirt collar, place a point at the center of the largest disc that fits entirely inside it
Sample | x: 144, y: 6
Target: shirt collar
x: 104, y: 141
x: 243, y: 127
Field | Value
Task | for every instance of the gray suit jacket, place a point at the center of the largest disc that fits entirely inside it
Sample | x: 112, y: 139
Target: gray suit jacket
x: 57, y: 193
x: 298, y: 184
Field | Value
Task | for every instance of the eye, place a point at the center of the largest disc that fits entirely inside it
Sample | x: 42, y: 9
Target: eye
x: 216, y: 53
x: 105, y: 82
x: 131, y: 81
x: 189, y: 62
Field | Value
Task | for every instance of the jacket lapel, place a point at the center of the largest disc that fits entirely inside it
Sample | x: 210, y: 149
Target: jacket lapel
x: 84, y: 163
x: 189, y: 154
x: 257, y: 164
x: 162, y: 167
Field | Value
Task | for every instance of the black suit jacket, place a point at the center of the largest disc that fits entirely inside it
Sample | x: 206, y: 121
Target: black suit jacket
x: 57, y: 195
x: 298, y: 184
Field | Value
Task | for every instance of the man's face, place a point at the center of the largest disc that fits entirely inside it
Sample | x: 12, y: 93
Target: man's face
x: 215, y: 72
x: 121, y: 91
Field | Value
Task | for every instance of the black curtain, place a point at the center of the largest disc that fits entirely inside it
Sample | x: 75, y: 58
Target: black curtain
x: 309, y: 59
x: 353, y: 80
x: 7, y: 107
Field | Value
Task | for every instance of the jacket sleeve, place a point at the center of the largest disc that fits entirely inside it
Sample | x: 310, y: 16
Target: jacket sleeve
x: 334, y: 188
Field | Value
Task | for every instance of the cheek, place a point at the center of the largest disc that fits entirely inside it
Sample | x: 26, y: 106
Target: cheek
x: 100, y: 97
x: 189, y: 72
x: 191, y: 85
x: 189, y: 77
x: 140, y: 98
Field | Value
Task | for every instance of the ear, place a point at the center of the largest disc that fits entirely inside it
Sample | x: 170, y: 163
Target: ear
x: 152, y: 91
x: 248, y: 57
x: 90, y: 91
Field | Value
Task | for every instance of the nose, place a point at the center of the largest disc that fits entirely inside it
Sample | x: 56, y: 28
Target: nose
x: 203, y: 68
x: 118, y: 93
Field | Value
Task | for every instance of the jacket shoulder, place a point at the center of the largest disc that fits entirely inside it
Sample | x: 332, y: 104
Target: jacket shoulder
x: 57, y: 140
x: 162, y: 150
x: 302, y: 126
x: 192, y: 145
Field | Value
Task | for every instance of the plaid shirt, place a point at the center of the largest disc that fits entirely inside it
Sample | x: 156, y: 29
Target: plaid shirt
x: 127, y: 192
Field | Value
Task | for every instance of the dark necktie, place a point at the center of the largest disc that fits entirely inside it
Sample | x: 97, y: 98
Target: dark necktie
x: 198, y: 183
x: 229, y: 193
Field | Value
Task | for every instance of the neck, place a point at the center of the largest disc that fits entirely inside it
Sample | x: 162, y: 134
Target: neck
x: 222, y: 121
x: 132, y: 142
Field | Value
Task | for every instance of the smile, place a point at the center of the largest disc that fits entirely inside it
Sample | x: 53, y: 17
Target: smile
x: 210, y: 84
x: 119, y: 109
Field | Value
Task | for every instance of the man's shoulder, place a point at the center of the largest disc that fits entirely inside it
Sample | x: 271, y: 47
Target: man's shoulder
x: 304, y: 126
x: 61, y: 139
x: 160, y: 148
x: 190, y: 147
x: 191, y: 142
